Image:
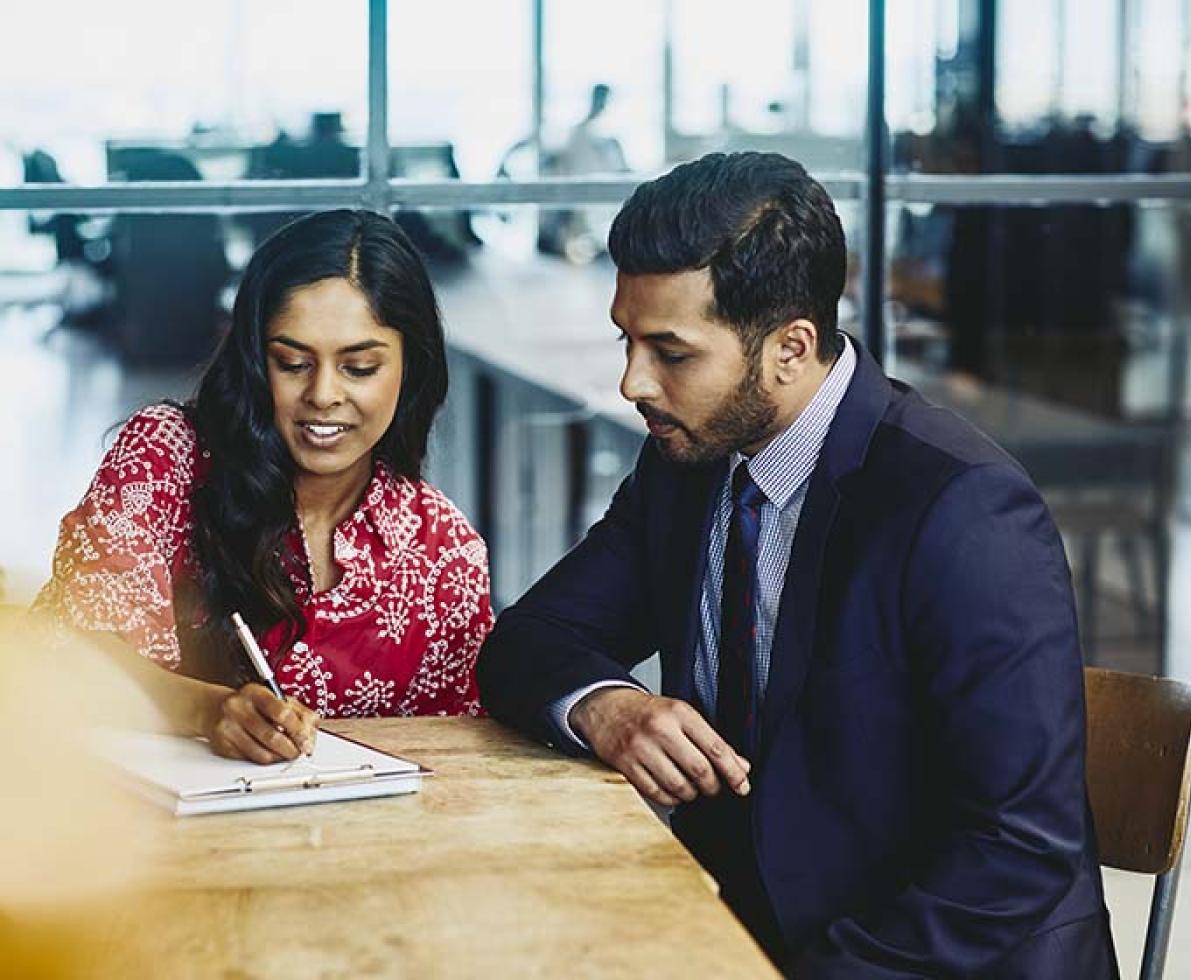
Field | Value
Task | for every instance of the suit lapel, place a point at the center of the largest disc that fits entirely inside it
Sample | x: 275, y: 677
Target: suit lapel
x: 794, y: 632
x: 844, y: 450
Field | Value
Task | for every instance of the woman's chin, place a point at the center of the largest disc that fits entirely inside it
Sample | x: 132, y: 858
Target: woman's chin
x: 326, y: 463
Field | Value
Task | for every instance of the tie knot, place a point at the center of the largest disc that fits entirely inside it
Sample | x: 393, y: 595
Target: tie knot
x: 744, y: 491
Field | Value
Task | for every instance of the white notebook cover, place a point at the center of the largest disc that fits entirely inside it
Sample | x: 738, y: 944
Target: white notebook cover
x: 186, y: 777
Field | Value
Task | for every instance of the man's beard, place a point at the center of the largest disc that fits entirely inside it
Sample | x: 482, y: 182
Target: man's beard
x: 744, y: 418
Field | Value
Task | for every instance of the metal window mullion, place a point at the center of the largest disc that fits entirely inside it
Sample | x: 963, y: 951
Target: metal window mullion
x: 288, y: 195
x: 376, y: 194
x: 537, y: 81
x: 873, y: 265
x: 1026, y: 189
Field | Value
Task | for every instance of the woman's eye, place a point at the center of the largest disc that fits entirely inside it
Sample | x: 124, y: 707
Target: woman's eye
x: 361, y: 372
x: 290, y: 367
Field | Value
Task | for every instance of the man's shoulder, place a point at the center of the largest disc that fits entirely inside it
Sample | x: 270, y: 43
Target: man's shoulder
x: 916, y: 436
x: 918, y: 451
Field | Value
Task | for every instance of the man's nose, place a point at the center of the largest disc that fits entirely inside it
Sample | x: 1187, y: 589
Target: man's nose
x: 637, y: 383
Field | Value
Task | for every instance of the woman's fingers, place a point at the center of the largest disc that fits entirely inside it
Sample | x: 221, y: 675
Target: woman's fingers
x: 251, y: 708
x: 254, y: 724
x: 232, y: 741
x: 292, y: 718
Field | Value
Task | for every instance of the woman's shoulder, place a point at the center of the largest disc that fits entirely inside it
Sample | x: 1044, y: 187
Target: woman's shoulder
x: 156, y: 440
x: 161, y: 428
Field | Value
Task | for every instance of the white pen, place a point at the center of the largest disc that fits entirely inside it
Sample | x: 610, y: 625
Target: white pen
x: 248, y: 642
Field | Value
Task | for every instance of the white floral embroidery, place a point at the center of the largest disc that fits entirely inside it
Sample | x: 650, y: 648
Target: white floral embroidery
x: 304, y: 674
x: 367, y: 697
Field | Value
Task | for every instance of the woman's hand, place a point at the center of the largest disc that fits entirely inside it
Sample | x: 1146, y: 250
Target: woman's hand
x: 253, y: 724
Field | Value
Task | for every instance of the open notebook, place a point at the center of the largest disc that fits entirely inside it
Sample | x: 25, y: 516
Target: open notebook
x: 186, y: 777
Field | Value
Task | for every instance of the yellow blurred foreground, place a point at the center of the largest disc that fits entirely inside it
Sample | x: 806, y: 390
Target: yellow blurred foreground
x: 75, y: 847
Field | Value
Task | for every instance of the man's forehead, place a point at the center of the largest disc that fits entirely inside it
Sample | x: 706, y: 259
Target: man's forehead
x: 687, y: 296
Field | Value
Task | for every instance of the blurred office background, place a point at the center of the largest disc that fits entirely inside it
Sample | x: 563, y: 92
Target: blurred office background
x: 1013, y: 176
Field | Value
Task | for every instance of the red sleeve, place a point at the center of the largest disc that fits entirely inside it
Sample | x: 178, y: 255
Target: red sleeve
x: 117, y: 548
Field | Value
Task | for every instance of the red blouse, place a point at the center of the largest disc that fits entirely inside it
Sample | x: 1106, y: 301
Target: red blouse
x: 398, y: 635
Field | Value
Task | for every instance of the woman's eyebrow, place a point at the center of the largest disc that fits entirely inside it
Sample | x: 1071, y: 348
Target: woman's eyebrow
x: 363, y: 345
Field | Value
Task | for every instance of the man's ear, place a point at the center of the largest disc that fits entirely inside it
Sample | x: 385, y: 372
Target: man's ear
x: 795, y: 348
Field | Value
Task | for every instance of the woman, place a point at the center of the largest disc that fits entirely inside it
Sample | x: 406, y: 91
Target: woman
x: 290, y: 490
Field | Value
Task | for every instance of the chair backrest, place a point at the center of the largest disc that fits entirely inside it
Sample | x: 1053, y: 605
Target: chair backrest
x: 1139, y: 773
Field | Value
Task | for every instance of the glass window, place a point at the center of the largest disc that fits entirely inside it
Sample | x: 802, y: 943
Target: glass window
x: 119, y: 93
x: 796, y: 87
x: 460, y: 86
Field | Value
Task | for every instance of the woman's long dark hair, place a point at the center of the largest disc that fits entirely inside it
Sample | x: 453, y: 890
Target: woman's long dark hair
x: 245, y: 506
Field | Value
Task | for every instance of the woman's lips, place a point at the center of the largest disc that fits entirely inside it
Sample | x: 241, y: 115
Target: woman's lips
x: 322, y: 436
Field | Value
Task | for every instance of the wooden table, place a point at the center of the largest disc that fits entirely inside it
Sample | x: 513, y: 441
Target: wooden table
x: 511, y: 861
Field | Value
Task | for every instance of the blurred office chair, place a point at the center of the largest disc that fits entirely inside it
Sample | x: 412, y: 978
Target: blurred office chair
x: 1139, y: 780
x: 169, y: 269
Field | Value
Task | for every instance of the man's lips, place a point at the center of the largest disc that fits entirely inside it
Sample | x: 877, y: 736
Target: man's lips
x: 658, y: 422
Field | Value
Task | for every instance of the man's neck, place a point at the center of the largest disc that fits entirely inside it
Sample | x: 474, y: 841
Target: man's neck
x: 796, y: 398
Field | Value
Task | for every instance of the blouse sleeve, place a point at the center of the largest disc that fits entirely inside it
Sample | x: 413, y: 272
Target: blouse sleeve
x: 113, y: 563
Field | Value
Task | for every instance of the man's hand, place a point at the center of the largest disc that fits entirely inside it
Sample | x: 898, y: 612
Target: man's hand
x: 663, y: 747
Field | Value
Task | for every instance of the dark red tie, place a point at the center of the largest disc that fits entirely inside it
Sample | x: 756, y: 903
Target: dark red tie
x: 736, y: 709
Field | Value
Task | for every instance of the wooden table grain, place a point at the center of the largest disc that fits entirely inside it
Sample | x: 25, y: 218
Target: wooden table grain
x: 512, y: 861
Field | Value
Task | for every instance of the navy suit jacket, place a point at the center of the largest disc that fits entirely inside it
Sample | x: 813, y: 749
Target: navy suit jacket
x: 918, y: 804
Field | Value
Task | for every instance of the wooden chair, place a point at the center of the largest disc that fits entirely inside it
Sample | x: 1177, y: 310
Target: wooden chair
x: 1139, y: 781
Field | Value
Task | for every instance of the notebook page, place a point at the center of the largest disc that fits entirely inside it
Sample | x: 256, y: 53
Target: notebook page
x: 187, y: 766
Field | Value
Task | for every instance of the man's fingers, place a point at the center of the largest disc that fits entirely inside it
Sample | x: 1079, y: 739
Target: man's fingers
x: 698, y: 769
x: 666, y: 773
x: 732, y: 767
x: 648, y: 787
x: 665, y: 748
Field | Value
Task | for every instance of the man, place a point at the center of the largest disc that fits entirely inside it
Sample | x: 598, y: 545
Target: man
x: 872, y: 725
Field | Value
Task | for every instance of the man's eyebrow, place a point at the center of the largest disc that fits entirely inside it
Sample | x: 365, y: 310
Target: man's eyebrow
x: 666, y: 337
x: 363, y: 345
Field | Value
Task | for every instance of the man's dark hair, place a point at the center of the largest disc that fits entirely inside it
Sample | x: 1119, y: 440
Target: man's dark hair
x: 765, y: 230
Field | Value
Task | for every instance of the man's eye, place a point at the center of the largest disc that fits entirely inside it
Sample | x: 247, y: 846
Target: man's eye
x: 361, y: 372
x: 668, y: 358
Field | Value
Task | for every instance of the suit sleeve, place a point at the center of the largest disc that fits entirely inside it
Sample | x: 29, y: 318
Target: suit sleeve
x: 585, y: 621
x: 989, y: 621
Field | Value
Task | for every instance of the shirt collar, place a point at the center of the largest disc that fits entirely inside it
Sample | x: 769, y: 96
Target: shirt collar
x: 383, y: 504
x: 784, y: 465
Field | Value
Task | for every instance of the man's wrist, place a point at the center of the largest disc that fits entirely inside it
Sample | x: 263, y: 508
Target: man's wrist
x: 586, y: 713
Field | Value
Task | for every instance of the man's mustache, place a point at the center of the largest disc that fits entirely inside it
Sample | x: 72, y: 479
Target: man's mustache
x: 661, y: 418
